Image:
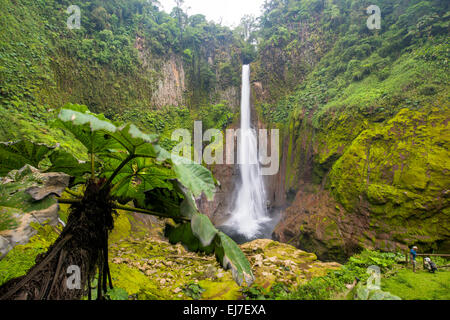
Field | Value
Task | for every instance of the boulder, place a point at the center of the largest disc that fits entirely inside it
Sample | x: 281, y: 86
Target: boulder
x: 40, y: 186
x: 163, y: 269
x: 5, y: 247
x: 24, y: 232
x: 362, y: 184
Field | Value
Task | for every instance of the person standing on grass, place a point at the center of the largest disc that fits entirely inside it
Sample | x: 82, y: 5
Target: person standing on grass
x: 413, y: 254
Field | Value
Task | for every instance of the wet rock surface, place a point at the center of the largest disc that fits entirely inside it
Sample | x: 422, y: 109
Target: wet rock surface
x: 148, y: 267
x: 362, y: 184
x: 50, y: 184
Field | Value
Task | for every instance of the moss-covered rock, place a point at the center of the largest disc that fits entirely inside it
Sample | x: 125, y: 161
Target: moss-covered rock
x: 274, y: 262
x: 158, y: 270
x: 20, y: 259
x: 386, y: 185
x: 399, y: 173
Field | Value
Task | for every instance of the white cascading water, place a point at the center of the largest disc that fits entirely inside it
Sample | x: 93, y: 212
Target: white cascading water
x: 249, y: 210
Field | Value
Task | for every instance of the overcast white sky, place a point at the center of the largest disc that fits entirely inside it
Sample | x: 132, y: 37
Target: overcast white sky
x: 229, y: 11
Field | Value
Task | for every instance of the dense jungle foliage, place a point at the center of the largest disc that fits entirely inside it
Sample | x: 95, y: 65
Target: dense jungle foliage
x: 320, y: 58
x: 127, y: 170
x: 112, y: 63
x: 363, y: 115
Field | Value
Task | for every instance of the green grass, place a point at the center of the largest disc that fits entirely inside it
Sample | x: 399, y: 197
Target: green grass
x: 419, y: 286
x: 396, y: 280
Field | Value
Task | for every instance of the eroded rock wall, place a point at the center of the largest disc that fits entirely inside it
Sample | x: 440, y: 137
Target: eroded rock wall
x: 359, y: 183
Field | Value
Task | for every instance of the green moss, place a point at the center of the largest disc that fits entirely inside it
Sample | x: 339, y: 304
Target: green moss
x: 19, y: 260
x: 382, y: 194
x: 400, y: 168
x: 135, y: 283
x: 220, y: 290
x: 290, y: 166
x: 122, y: 228
x: 331, y: 229
x: 335, y: 136
x: 8, y: 219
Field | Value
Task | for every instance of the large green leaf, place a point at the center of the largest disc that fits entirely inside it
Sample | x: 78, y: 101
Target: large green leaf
x: 137, y: 177
x: 90, y: 129
x: 193, y: 176
x: 188, y: 207
x: 363, y: 292
x: 201, y: 235
x: 135, y: 141
x: 203, y: 229
x: 163, y: 200
x: 14, y: 155
x: 196, y: 178
x: 65, y: 162
x: 147, y: 170
x: 100, y: 135
x: 183, y: 233
x: 30, y: 190
x: 231, y: 257
x: 79, y: 115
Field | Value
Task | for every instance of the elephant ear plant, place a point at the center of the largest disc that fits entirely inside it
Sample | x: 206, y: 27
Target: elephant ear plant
x: 127, y: 170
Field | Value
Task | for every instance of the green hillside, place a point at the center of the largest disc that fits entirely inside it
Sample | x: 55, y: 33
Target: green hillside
x: 87, y: 114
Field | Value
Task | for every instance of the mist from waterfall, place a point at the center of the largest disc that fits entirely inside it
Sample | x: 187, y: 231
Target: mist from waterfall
x: 249, y: 211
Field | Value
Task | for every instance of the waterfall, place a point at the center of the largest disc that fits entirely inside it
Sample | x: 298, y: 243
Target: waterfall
x: 249, y: 211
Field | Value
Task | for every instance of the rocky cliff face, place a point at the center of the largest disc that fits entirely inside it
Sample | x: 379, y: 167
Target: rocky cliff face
x: 171, y: 85
x: 372, y: 179
x: 382, y: 185
x: 364, y: 126
x: 170, y: 78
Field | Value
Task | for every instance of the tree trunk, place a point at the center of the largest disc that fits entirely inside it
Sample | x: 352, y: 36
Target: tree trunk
x: 82, y: 246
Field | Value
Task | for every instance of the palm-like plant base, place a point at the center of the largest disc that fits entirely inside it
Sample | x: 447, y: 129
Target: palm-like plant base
x: 82, y: 243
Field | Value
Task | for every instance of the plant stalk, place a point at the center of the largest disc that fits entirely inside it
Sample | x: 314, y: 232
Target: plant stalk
x: 119, y: 168
x: 69, y: 201
x: 148, y: 212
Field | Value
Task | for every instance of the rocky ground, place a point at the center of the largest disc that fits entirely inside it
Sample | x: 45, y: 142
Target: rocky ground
x: 148, y: 267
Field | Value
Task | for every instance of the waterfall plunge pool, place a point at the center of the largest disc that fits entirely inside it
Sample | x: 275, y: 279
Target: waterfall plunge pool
x: 265, y: 231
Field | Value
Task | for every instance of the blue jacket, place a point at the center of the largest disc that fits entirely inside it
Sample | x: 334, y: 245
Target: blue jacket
x: 413, y: 254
